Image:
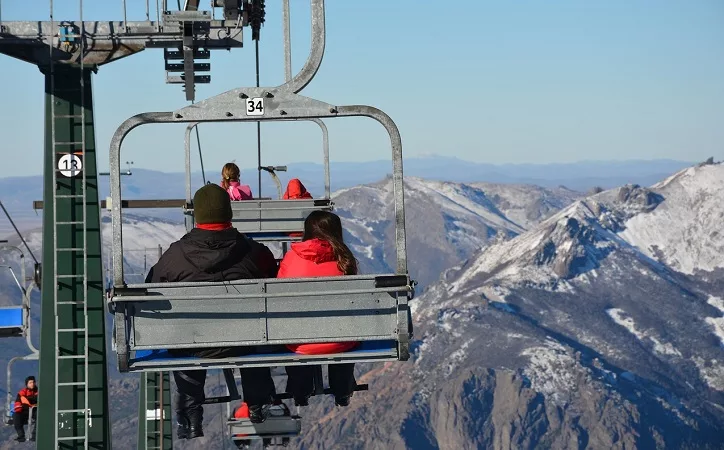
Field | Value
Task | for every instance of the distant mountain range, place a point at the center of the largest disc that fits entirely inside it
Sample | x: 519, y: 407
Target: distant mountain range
x: 18, y: 193
x: 551, y: 319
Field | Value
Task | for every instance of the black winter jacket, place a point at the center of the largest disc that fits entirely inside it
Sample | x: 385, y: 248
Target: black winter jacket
x: 203, y: 255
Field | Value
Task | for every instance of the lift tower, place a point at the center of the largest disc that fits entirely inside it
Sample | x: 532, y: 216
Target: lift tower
x: 73, y: 370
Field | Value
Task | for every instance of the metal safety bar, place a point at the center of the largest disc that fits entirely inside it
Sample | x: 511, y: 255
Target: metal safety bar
x: 325, y: 153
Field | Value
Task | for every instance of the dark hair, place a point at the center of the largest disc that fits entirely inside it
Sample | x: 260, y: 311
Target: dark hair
x: 327, y: 226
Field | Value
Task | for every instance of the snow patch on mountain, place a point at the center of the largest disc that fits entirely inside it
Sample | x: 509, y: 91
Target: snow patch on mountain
x: 463, y: 200
x: 692, y: 216
x: 717, y: 323
x: 457, y: 357
x: 551, y: 371
x: 712, y: 372
x: 621, y: 318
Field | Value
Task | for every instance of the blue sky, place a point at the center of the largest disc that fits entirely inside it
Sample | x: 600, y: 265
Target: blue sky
x: 487, y: 81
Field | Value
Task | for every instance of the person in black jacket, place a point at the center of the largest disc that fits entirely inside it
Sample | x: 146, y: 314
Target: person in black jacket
x: 214, y: 251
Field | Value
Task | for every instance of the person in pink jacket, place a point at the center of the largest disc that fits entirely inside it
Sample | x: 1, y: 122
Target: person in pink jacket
x: 230, y: 176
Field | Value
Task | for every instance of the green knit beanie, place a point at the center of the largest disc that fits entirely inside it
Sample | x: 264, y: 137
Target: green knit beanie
x: 212, y: 205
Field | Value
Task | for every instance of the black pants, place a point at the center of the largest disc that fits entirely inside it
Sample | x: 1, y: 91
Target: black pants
x: 257, y: 384
x: 300, y: 380
x: 21, y: 419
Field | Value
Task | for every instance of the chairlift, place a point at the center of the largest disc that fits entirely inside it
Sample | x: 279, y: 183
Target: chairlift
x: 152, y: 318
x: 15, y: 320
x: 23, y: 314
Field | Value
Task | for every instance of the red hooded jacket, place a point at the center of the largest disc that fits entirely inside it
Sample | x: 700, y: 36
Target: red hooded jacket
x: 25, y: 399
x: 296, y: 190
x: 312, y: 258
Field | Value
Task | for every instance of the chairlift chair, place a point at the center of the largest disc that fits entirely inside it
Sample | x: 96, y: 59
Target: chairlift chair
x: 267, y: 220
x: 151, y: 318
x: 14, y: 320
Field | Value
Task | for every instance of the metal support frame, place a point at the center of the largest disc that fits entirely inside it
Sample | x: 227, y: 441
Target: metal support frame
x: 325, y: 153
x: 72, y: 335
x: 231, y: 107
x: 154, y: 412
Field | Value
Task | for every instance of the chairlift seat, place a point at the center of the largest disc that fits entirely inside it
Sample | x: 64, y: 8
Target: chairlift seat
x: 276, y: 217
x: 162, y: 316
x: 12, y: 321
x: 284, y: 426
x: 162, y: 360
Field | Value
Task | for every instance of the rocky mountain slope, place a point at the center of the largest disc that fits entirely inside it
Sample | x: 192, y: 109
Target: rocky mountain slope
x: 434, y: 209
x: 588, y: 331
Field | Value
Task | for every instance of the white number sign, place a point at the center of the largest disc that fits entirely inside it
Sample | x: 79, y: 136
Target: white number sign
x: 70, y: 165
x: 255, y: 106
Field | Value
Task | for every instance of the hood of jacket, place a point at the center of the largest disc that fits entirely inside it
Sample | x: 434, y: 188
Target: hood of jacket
x: 296, y: 190
x: 315, y: 250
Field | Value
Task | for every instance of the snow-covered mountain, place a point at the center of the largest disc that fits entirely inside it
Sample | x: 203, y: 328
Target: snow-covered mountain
x: 446, y: 222
x: 601, y: 327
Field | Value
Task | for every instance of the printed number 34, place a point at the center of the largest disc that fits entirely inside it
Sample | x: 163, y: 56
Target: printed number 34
x: 255, y: 107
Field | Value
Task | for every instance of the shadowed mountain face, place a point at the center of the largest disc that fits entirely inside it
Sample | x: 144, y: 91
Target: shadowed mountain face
x: 601, y: 326
x: 447, y: 223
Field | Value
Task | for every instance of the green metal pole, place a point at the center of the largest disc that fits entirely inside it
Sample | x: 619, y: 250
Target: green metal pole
x: 65, y: 90
x: 154, y: 412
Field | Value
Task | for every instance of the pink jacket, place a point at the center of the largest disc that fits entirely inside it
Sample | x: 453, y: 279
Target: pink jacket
x: 238, y: 191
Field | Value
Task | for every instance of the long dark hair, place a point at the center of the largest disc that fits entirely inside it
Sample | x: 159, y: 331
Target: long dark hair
x: 327, y: 226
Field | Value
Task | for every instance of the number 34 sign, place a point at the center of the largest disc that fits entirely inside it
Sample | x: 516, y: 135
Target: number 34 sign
x: 70, y: 165
x: 255, y: 106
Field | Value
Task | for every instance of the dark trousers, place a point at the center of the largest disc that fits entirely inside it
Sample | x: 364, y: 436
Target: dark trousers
x: 257, y: 384
x: 21, y: 419
x: 300, y: 380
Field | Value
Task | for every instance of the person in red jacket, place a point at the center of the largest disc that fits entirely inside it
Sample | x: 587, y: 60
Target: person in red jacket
x: 322, y: 253
x: 296, y: 190
x: 26, y: 400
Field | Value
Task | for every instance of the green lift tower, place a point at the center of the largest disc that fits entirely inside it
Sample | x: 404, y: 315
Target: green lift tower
x: 73, y: 362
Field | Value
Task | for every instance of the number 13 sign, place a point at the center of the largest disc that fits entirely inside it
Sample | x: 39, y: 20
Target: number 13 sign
x: 70, y: 165
x: 255, y: 106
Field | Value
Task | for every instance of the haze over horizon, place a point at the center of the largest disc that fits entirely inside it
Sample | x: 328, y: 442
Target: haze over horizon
x: 544, y: 83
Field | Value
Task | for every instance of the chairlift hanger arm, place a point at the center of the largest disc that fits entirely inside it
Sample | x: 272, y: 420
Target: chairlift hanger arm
x: 232, y: 107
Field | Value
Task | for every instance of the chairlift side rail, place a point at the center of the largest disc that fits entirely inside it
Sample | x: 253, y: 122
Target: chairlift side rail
x: 22, y: 264
x: 231, y: 107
